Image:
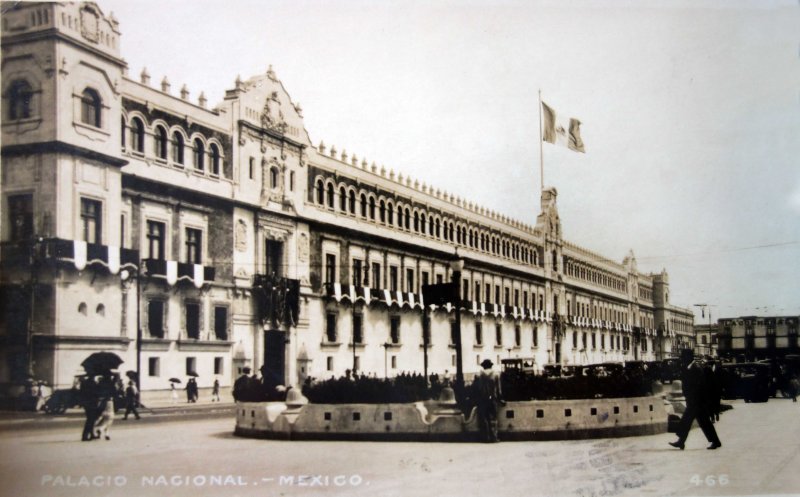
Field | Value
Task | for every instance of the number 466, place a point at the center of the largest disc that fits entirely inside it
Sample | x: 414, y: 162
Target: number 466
x: 709, y: 480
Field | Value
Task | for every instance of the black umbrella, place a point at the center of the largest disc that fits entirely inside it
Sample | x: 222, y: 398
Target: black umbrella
x: 192, y: 373
x: 132, y: 375
x: 174, y: 380
x: 101, y: 362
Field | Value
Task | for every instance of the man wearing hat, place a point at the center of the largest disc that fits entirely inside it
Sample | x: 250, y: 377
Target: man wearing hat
x: 241, y: 386
x: 699, y: 398
x: 488, y: 397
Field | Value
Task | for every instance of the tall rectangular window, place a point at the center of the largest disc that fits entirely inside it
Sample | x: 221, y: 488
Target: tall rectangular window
x: 497, y: 295
x: 376, y: 275
x: 439, y: 279
x: 453, y: 332
x: 498, y: 335
x: 517, y: 335
x: 191, y: 365
x: 358, y: 277
x: 516, y: 298
x: 155, y: 239
x: 394, y: 329
x: 426, y: 329
x: 478, y: 333
x: 155, y: 318
x: 192, y: 320
x: 358, y: 328
x: 535, y: 336
x: 425, y: 278
x: 410, y: 280
x: 218, y: 362
x: 525, y: 302
x: 393, y: 278
x: 251, y: 169
x: 506, y: 297
x: 20, y: 216
x: 330, y: 327
x: 194, y: 246
x: 153, y: 366
x: 465, y: 289
x: 221, y: 322
x: 488, y: 293
x: 477, y: 294
x: 92, y: 220
x: 274, y: 257
x: 329, y: 363
x: 330, y: 268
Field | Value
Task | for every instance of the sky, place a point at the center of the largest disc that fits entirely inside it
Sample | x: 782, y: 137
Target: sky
x: 690, y: 114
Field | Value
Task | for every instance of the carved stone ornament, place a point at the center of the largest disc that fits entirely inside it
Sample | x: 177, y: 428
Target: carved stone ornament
x: 241, y: 235
x: 272, y: 118
x: 89, y: 24
x: 302, y: 247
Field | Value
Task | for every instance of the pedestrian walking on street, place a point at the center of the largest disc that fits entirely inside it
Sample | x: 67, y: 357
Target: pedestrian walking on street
x: 174, y: 393
x: 88, y: 400
x: 215, y: 391
x: 131, y: 400
x: 701, y: 397
x: 191, y: 391
x: 488, y: 397
x: 105, y: 418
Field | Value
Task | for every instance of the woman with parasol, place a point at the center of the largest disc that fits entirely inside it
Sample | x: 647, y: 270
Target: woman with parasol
x: 174, y: 391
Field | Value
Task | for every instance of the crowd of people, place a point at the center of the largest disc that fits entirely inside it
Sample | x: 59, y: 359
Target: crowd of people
x: 363, y: 388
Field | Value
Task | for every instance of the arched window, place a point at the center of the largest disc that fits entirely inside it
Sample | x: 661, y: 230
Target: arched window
x: 123, y: 131
x: 352, y: 202
x: 438, y: 229
x: 320, y: 192
x: 382, y: 211
x: 342, y: 199
x: 389, y: 214
x: 372, y: 208
x: 177, y: 147
x: 90, y: 107
x: 422, y: 223
x: 20, y: 100
x: 137, y: 135
x: 408, y: 218
x: 363, y: 205
x: 416, y: 222
x: 199, y: 154
x: 215, y: 159
x: 274, y: 175
x: 160, y: 142
x: 331, y: 201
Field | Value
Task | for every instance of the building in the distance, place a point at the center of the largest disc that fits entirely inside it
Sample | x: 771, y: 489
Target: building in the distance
x: 706, y: 342
x: 196, y: 239
x: 752, y: 338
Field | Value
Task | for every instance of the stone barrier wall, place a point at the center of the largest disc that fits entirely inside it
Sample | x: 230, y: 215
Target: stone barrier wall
x: 533, y: 420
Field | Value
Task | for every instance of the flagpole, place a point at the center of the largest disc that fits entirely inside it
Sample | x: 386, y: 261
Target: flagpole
x: 541, y: 146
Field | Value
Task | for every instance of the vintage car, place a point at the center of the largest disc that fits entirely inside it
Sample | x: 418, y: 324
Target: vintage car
x: 518, y: 365
x: 747, y: 380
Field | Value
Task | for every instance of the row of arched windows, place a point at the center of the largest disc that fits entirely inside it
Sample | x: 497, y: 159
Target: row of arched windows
x: 365, y: 205
x: 170, y: 145
x: 595, y: 276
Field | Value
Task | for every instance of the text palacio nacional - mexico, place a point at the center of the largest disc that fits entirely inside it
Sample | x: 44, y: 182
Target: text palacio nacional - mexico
x: 195, y: 239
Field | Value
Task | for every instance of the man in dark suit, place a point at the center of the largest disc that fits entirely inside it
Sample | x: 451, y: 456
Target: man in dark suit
x: 488, y: 397
x: 241, y: 387
x: 699, y: 394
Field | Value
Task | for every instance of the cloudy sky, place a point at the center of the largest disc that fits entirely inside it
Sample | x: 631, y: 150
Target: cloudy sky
x: 690, y: 112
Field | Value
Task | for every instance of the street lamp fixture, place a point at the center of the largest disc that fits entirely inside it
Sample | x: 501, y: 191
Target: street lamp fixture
x: 456, y: 266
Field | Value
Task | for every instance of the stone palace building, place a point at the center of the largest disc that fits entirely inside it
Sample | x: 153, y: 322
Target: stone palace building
x: 194, y: 239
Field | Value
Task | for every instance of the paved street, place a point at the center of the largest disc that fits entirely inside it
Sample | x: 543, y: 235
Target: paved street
x: 191, y: 457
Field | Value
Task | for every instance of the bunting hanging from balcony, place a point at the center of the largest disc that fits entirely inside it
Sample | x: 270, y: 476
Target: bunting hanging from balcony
x: 79, y: 254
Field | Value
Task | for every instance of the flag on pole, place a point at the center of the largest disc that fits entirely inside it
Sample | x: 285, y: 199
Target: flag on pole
x: 562, y: 131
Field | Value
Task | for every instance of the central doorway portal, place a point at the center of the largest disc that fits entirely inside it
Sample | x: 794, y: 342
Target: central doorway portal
x: 274, y: 357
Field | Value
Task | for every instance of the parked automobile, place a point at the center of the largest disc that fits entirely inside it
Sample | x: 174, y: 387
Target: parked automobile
x: 747, y: 380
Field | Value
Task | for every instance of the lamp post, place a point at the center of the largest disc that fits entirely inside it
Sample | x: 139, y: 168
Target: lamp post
x: 457, y: 266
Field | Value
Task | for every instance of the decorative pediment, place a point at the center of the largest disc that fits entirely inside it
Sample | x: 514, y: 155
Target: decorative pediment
x: 272, y: 117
